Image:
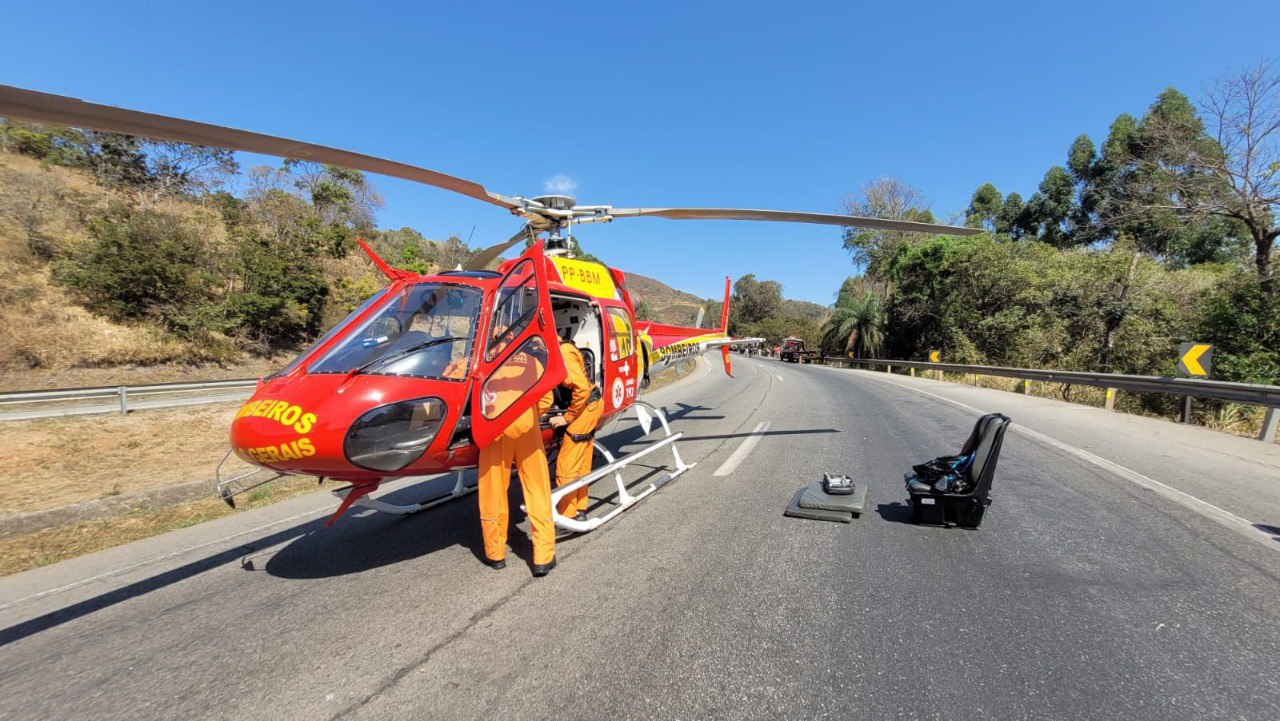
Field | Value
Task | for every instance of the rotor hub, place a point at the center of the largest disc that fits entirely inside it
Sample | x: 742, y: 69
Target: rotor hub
x: 556, y: 202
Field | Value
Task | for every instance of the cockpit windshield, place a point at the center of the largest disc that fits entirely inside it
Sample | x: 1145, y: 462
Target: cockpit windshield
x: 424, y: 331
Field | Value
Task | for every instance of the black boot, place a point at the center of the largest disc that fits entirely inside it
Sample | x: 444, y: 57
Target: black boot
x: 496, y: 565
x: 542, y: 569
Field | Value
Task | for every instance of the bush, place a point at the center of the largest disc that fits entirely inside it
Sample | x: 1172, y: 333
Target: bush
x: 1243, y: 323
x: 144, y: 264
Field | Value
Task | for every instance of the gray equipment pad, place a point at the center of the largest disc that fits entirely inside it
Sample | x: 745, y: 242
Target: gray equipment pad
x: 795, y: 510
x: 812, y: 497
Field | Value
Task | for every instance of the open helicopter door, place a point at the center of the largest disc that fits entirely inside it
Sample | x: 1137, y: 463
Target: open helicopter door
x: 519, y: 358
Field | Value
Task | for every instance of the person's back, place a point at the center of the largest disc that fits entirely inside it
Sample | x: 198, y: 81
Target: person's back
x: 579, y: 422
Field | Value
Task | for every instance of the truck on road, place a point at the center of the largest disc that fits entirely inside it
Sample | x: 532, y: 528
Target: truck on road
x: 792, y: 351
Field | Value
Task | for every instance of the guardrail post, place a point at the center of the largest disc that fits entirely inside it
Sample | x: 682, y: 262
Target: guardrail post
x: 1186, y: 409
x: 1026, y: 387
x: 1270, y: 425
x: 123, y: 392
x: 888, y: 369
x: 1110, y: 403
x: 913, y: 372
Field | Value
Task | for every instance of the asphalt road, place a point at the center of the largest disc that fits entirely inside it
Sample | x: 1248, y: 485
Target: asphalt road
x: 1125, y: 570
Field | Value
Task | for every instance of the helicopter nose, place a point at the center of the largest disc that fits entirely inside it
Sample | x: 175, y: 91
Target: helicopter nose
x: 274, y: 432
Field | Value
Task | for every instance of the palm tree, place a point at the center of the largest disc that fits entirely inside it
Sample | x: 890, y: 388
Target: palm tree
x: 856, y: 324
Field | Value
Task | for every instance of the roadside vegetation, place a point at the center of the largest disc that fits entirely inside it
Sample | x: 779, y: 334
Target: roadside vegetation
x: 121, y: 252
x: 1162, y: 234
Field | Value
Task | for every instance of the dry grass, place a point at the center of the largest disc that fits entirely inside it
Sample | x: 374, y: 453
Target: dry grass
x: 51, y: 545
x: 41, y: 329
x: 54, y: 462
x: 131, y: 374
x: 1237, y: 419
x: 42, y: 215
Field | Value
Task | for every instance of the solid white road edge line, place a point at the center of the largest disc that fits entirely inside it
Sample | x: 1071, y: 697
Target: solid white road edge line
x: 740, y: 455
x: 1186, y: 500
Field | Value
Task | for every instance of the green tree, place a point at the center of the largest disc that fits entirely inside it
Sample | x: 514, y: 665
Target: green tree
x: 1231, y: 172
x: 753, y: 301
x: 857, y: 323
x: 984, y: 208
x: 1013, y: 219
x: 1053, y: 207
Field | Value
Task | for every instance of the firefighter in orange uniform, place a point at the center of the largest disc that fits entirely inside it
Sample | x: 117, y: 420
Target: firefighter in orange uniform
x: 521, y: 444
x: 579, y: 422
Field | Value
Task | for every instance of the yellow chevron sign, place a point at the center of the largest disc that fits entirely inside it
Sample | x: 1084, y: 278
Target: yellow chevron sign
x: 1195, y: 360
x: 935, y: 356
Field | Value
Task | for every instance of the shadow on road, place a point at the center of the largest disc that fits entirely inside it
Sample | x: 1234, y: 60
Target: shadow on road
x: 364, y: 540
x: 897, y: 512
x: 147, y: 585
x: 626, y: 430
x: 358, y: 542
x: 1273, y: 530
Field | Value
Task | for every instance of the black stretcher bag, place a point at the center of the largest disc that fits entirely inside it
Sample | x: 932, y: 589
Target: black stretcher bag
x: 956, y: 490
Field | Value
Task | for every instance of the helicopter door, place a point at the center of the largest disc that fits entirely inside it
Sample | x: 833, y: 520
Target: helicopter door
x: 519, y: 359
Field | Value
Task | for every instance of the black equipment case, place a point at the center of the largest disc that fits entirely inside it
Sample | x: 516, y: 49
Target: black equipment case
x: 956, y: 490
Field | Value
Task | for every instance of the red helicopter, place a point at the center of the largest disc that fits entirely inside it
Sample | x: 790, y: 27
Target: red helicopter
x: 400, y: 387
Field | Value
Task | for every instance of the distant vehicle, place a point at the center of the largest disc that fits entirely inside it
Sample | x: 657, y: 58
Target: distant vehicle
x: 792, y: 351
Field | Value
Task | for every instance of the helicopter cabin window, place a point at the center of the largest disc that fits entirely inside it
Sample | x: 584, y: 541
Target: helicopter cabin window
x: 621, y: 341
x: 516, y: 304
x: 327, y: 336
x: 514, y: 377
x: 425, y: 330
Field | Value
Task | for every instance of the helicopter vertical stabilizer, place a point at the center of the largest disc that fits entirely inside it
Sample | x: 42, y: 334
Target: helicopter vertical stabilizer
x: 724, y: 309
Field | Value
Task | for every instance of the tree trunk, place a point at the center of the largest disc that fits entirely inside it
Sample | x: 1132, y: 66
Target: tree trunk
x: 1117, y: 317
x: 1262, y: 241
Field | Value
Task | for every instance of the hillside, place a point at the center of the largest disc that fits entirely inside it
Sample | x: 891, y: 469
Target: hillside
x: 127, y: 261
x: 664, y: 303
x: 106, y: 285
x: 804, y: 309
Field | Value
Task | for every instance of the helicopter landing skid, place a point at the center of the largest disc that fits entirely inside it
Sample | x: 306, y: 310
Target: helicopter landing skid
x: 645, y: 414
x: 460, y: 489
x: 228, y: 488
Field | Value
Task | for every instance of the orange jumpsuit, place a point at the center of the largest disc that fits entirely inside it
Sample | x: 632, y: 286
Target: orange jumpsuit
x: 521, y: 444
x: 583, y: 416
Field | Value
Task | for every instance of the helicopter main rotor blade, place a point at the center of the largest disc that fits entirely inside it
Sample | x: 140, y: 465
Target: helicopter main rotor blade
x: 490, y: 254
x: 61, y: 110
x: 787, y: 216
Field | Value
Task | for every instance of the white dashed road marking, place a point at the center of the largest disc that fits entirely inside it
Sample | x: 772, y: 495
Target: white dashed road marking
x: 743, y: 450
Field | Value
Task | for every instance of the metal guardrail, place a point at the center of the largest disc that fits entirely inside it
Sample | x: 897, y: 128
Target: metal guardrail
x: 1247, y: 393
x: 119, y: 393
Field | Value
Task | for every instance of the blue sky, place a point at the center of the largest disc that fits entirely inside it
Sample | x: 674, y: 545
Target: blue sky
x: 746, y: 104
